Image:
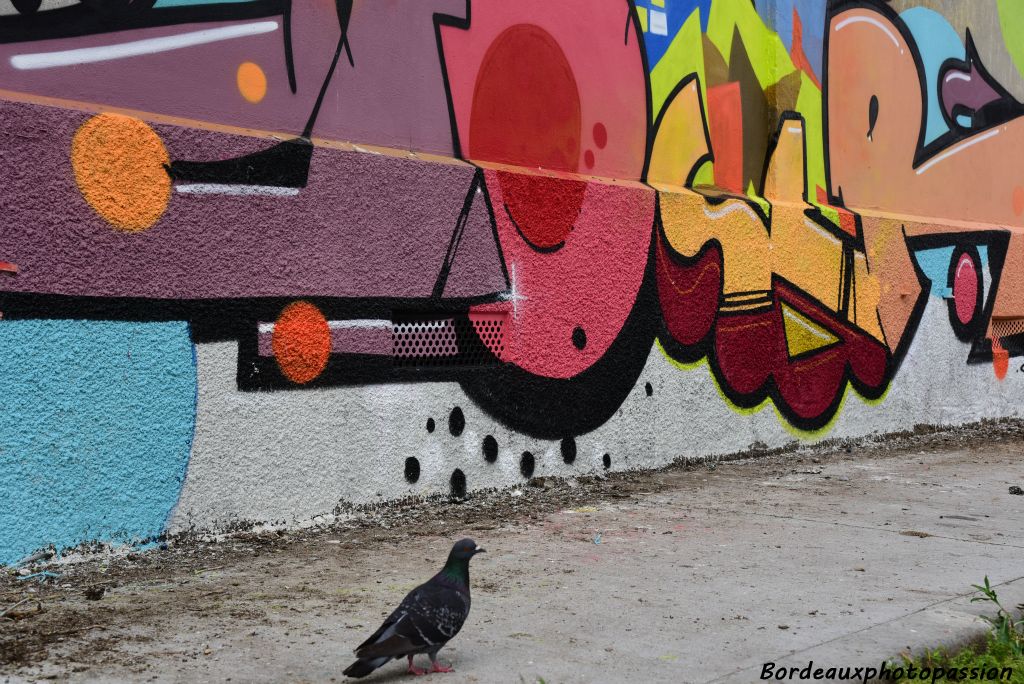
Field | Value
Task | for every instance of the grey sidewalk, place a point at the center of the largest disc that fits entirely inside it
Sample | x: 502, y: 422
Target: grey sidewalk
x: 845, y: 561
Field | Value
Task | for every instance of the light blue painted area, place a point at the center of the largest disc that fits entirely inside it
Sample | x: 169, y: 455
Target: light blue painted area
x: 935, y: 264
x: 96, y: 425
x: 676, y: 13
x: 186, y: 3
x: 778, y: 15
x: 937, y: 41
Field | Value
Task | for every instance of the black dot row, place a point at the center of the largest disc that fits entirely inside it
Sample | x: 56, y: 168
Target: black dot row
x: 527, y: 462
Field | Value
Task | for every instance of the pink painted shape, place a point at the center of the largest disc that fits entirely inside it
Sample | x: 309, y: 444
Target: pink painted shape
x: 965, y: 289
x: 601, y: 62
x: 591, y: 282
x: 490, y: 328
x: 725, y: 111
x: 593, y: 279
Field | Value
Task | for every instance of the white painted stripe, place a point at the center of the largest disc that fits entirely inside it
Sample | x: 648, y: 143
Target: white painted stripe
x: 957, y: 150
x: 956, y: 76
x: 794, y: 129
x: 135, y: 48
x: 820, y: 231
x: 355, y: 323
x: 870, y: 20
x: 359, y: 323
x: 659, y: 23
x: 229, y: 189
x: 730, y: 208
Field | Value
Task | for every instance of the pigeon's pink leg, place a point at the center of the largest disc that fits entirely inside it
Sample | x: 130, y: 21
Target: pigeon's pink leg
x: 415, y: 670
x: 435, y: 666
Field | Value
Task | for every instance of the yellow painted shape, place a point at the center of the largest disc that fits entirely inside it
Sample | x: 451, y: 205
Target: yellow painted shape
x: 118, y: 162
x: 252, y: 82
x: 806, y: 254
x: 802, y: 334
x: 867, y: 312
x: 767, y: 52
x: 808, y: 103
x: 785, y: 179
x: 705, y: 174
x: 684, y: 56
x: 690, y: 221
x: 641, y: 12
x: 679, y: 141
x: 658, y: 3
x: 765, y: 205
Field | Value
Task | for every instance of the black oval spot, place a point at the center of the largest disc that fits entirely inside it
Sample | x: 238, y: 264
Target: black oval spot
x: 527, y: 464
x: 649, y: 388
x: 456, y: 422
x: 412, y: 469
x: 579, y: 338
x: 872, y: 116
x: 568, y: 449
x: 490, y: 449
x: 607, y: 459
x: 458, y: 484
x: 430, y: 424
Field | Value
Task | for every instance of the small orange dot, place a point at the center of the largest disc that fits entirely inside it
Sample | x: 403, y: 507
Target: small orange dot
x: 301, y: 342
x: 1018, y: 200
x: 252, y: 82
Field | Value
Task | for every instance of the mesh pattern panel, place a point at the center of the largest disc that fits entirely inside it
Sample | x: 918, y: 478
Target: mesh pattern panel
x: 490, y: 328
x: 454, y: 341
x: 1007, y: 327
x: 424, y: 339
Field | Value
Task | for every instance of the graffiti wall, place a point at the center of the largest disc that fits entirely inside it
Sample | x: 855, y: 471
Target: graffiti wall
x: 262, y: 259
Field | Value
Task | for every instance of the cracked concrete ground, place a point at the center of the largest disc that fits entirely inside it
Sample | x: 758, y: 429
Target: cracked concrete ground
x: 841, y: 555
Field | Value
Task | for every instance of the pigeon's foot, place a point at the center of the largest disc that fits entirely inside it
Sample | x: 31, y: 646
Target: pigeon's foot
x: 438, y: 667
x: 413, y: 670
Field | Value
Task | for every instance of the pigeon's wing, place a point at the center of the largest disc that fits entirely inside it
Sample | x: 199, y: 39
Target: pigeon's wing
x: 383, y: 632
x: 428, y: 617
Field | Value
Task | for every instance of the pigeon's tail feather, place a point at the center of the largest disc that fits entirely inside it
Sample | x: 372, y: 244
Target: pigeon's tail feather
x: 363, y: 667
x: 395, y: 646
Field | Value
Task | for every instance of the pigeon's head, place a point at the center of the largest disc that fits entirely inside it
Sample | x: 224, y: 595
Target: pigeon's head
x: 465, y: 549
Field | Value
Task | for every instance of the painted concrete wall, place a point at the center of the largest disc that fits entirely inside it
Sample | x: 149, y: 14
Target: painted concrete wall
x: 263, y: 259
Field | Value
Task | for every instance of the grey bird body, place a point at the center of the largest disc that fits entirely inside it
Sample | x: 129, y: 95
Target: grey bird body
x: 428, y: 617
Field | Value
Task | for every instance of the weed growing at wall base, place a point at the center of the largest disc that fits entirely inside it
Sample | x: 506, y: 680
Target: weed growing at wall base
x: 1000, y: 660
x: 1003, y: 648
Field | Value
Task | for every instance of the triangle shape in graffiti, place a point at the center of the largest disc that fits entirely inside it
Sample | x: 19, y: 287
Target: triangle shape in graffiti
x: 804, y: 336
x: 474, y: 264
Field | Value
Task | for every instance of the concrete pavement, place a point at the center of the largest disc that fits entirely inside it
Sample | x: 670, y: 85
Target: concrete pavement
x: 693, y: 575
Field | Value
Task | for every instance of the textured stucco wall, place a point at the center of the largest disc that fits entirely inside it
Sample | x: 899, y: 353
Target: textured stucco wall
x: 260, y: 260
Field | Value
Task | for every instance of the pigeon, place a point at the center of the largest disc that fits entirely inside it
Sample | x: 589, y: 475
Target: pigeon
x: 425, y: 621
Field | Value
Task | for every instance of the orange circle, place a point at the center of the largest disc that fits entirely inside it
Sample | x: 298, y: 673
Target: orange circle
x: 1018, y: 200
x: 301, y: 342
x: 119, y: 165
x: 252, y: 82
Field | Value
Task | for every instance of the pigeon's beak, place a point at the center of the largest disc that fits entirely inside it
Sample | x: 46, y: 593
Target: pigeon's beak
x: 479, y: 550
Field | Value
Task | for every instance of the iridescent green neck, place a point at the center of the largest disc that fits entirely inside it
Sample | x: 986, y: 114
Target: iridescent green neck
x: 457, y: 569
